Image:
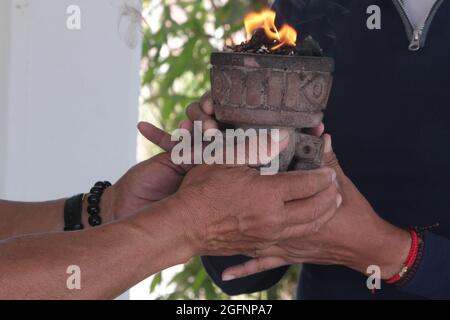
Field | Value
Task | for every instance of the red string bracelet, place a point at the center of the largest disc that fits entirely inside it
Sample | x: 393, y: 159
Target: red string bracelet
x: 412, y: 256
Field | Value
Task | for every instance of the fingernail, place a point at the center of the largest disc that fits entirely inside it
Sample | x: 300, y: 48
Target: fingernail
x: 282, y: 135
x: 339, y: 200
x: 228, y: 277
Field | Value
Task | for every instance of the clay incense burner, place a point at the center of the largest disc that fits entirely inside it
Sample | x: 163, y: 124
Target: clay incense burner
x: 275, y: 91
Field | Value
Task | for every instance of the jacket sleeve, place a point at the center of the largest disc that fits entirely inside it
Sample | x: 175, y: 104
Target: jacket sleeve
x: 432, y: 279
x: 255, y: 283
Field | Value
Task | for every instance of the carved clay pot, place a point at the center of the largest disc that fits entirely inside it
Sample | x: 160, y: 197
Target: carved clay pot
x: 273, y: 91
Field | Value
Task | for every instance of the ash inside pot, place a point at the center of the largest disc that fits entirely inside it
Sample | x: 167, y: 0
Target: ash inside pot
x: 261, y: 44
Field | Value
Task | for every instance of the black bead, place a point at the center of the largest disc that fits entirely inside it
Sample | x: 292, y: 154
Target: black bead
x: 95, y: 221
x: 93, y: 210
x: 97, y: 191
x: 94, y: 199
x: 107, y: 184
x: 100, y: 185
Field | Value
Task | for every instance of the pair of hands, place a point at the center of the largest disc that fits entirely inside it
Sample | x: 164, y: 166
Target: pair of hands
x: 355, y: 236
x: 217, y: 213
x: 287, y: 219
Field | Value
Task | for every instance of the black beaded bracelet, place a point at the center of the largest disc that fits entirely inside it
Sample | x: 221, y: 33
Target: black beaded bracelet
x: 94, y: 200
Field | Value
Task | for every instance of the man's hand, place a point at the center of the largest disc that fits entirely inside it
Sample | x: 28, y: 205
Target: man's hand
x: 148, y: 182
x: 235, y: 210
x: 217, y: 210
x: 356, y: 237
x: 158, y: 177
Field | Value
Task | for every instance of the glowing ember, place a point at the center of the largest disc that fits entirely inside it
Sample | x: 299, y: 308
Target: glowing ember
x: 265, y: 20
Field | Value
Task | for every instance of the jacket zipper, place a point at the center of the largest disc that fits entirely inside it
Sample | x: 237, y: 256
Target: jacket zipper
x: 417, y: 36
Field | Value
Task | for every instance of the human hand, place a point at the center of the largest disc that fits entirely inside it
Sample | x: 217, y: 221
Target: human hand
x: 355, y: 237
x: 158, y: 177
x: 235, y: 210
x: 147, y: 182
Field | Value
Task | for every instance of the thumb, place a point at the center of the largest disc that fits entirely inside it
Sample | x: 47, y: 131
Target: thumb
x: 157, y: 136
x: 329, y: 157
x: 252, y: 267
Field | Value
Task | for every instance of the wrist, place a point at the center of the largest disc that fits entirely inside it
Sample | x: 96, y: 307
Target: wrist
x: 108, y: 205
x: 160, y: 223
x: 388, y: 248
x: 184, y: 232
x: 395, y: 251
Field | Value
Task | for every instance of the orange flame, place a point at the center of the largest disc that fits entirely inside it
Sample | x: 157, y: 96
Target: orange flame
x: 266, y: 20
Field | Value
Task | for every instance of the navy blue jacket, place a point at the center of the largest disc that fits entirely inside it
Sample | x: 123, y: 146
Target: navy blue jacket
x: 389, y: 116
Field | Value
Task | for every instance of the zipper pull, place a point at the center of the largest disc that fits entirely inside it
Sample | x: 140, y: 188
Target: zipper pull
x: 415, y: 41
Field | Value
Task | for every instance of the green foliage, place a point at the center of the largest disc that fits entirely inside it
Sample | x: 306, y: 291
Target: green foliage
x: 176, y: 50
x: 179, y: 38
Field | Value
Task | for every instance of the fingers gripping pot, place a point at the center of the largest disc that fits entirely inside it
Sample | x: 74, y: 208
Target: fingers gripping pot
x: 275, y: 91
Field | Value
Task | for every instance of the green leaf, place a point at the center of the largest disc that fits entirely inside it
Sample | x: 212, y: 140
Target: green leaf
x: 157, y: 279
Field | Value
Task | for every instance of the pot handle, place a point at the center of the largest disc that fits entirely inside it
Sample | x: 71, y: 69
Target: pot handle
x: 308, y: 152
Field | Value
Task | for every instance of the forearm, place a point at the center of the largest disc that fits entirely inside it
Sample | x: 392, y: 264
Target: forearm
x: 21, y: 218
x: 111, y: 258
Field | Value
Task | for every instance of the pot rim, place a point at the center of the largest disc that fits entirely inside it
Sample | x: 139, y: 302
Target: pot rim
x: 291, y: 63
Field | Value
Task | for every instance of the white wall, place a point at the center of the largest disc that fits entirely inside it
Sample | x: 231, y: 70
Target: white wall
x: 4, y: 62
x: 68, y: 99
